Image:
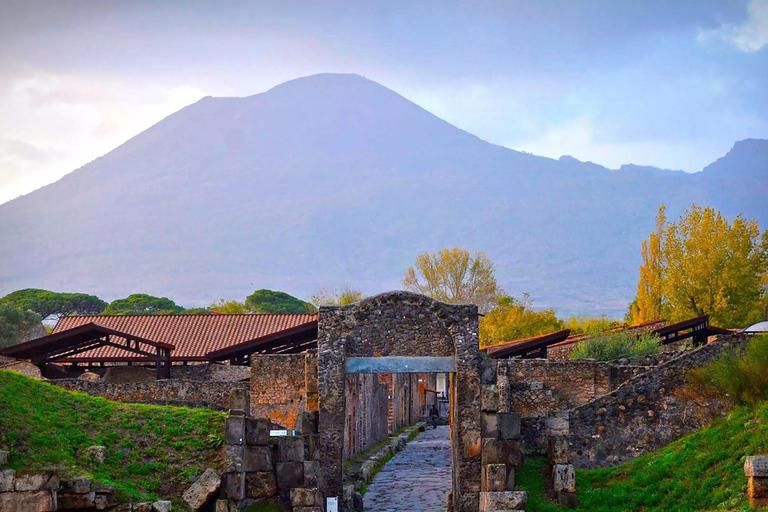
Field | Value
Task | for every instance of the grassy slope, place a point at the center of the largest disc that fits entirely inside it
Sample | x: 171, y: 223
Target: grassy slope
x: 151, y: 450
x: 701, y: 471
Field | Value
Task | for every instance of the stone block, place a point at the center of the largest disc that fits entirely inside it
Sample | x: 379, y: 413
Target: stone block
x: 75, y: 501
x: 305, y: 497
x: 508, y: 424
x: 510, y: 483
x: 35, y: 481
x: 490, y: 452
x: 488, y: 371
x: 96, y: 454
x: 291, y: 449
x: 312, y: 473
x: 234, y: 430
x: 223, y: 506
x: 38, y: 501
x: 357, y: 501
x: 79, y: 485
x: 756, y: 466
x: 203, y: 490
x: 510, y: 453
x: 489, y: 398
x: 257, y: 431
x: 558, y: 423
x: 102, y: 502
x: 233, y: 486
x: 161, y: 506
x: 488, y: 425
x: 233, y: 460
x: 558, y: 450
x: 310, y: 447
x: 502, y: 500
x: 6, y: 480
x: 563, y: 478
x: 257, y: 458
x: 308, y: 422
x: 4, y: 457
x: 757, y: 487
x: 290, y: 475
x: 260, y: 485
x: 240, y: 402
x: 143, y: 506
x: 495, y: 477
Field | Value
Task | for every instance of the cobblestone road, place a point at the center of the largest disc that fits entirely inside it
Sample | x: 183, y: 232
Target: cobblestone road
x: 417, y: 479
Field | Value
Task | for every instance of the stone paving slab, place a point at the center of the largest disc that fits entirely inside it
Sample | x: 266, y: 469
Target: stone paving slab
x: 418, y: 479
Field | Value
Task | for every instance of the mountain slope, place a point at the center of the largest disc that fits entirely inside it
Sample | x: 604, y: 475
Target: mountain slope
x: 334, y: 179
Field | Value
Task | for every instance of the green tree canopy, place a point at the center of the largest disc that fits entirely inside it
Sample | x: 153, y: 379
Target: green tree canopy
x: 15, y: 325
x: 455, y: 276
x: 46, y: 303
x: 703, y: 264
x: 270, y: 301
x: 143, y: 304
x: 513, y: 319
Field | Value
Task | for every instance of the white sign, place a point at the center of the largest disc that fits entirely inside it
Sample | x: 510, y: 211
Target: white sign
x: 332, y: 504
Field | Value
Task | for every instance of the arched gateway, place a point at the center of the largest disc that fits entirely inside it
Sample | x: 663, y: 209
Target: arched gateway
x: 402, y: 332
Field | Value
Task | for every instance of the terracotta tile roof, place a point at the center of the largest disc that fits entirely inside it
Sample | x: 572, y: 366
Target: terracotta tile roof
x: 192, y: 335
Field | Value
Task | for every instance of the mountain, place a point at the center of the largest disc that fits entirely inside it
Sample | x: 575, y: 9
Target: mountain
x: 334, y: 179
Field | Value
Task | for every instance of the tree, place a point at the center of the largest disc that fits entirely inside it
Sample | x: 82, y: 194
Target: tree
x: 455, y: 276
x: 346, y: 295
x: 46, y: 303
x: 16, y: 324
x: 704, y: 265
x: 229, y: 307
x: 143, y: 304
x: 513, y: 319
x: 269, y: 301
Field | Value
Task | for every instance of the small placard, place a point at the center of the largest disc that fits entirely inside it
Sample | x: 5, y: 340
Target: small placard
x: 332, y: 504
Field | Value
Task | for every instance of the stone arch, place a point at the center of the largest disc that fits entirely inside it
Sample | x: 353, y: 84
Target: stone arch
x: 402, y: 324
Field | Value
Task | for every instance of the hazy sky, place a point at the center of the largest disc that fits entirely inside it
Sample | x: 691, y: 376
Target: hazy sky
x: 670, y: 83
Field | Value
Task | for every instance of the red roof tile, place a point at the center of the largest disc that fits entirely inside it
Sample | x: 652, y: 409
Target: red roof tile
x: 192, y: 335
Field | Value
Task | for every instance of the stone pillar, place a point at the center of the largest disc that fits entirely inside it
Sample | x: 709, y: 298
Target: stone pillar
x: 562, y: 482
x: 756, y: 469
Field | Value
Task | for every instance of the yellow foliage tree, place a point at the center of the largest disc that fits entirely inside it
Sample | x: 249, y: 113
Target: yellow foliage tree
x: 700, y: 265
x: 455, y: 276
x: 514, y: 319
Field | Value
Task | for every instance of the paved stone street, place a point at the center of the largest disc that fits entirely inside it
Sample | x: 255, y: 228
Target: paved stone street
x: 417, y: 479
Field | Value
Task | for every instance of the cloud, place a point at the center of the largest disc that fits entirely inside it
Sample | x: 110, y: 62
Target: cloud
x: 749, y: 36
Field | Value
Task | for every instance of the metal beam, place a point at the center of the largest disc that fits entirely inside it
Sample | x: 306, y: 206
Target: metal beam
x: 395, y: 364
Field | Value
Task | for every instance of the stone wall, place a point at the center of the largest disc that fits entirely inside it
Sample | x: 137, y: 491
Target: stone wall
x: 279, y: 384
x: 208, y: 394
x: 642, y: 415
x: 366, y: 414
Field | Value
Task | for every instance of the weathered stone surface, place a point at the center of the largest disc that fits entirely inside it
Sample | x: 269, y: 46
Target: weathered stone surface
x: 6, y: 480
x: 79, y: 485
x: 257, y: 458
x: 491, y: 453
x: 96, y: 454
x: 564, y: 478
x: 257, y: 431
x: 290, y: 475
x: 161, y: 506
x: 307, y: 423
x: 490, y: 398
x: 558, y: 450
x: 757, y: 487
x: 291, y: 449
x: 557, y: 423
x: 76, y: 501
x: 233, y: 461
x: 508, y: 424
x: 495, y: 477
x: 203, y: 490
x: 240, y: 402
x: 310, y: 447
x: 233, y: 486
x: 37, y: 501
x: 102, y: 501
x: 312, y: 473
x: 756, y: 466
x: 143, y: 506
x: 35, y: 481
x: 223, y: 506
x: 260, y: 485
x: 357, y: 501
x: 510, y: 453
x: 510, y: 484
x: 305, y: 497
x: 488, y: 425
x: 234, y: 430
x: 4, y: 455
x: 503, y: 500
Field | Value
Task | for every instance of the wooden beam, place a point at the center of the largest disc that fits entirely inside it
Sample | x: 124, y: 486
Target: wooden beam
x: 395, y: 364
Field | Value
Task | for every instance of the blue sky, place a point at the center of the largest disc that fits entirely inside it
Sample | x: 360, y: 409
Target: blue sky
x: 665, y: 83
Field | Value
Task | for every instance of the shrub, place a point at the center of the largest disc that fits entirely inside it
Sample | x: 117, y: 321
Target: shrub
x: 616, y: 345
x: 737, y: 376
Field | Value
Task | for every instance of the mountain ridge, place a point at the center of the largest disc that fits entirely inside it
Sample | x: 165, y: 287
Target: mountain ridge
x: 335, y: 179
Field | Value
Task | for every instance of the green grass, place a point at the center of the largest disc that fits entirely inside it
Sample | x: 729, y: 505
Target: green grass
x: 265, y: 506
x: 152, y: 451
x: 608, y: 346
x: 701, y: 471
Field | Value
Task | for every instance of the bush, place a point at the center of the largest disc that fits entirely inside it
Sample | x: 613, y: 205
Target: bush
x: 737, y: 376
x: 616, y: 345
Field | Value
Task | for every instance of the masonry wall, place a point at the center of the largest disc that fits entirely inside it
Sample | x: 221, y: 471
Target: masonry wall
x: 207, y: 394
x: 366, y: 413
x: 282, y: 386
